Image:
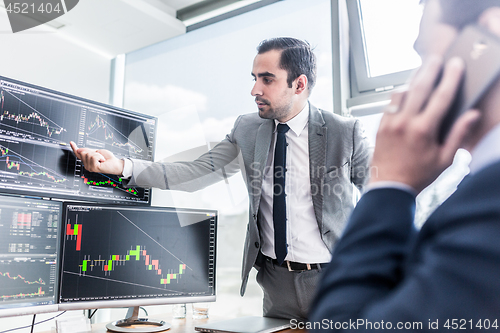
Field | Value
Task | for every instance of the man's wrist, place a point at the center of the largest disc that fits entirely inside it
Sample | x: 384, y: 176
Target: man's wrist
x: 391, y: 184
x: 127, y: 168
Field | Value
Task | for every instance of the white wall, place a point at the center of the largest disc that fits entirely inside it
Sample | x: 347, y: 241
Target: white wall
x: 43, y: 57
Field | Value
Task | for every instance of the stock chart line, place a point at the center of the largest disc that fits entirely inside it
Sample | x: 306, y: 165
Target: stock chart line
x: 119, y: 281
x: 110, y: 182
x: 8, y: 153
x: 154, y: 240
x: 23, y: 130
x: 36, y: 115
x: 39, y: 281
x: 137, y: 254
x: 11, y: 165
x: 20, y: 118
x: 101, y: 123
x: 40, y: 292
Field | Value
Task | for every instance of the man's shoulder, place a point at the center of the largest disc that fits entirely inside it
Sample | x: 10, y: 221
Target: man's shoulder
x: 247, y: 126
x: 333, y: 119
x: 252, y: 117
x: 250, y: 121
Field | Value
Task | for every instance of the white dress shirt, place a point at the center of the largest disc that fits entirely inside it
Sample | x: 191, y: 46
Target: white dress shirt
x: 487, y: 151
x: 127, y: 168
x: 303, y: 237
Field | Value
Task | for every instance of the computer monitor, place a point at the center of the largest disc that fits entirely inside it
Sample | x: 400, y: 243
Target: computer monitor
x: 125, y: 256
x: 36, y: 126
x: 29, y: 243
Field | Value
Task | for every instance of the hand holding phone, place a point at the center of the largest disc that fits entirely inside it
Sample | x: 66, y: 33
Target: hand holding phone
x: 407, y: 150
x: 480, y: 51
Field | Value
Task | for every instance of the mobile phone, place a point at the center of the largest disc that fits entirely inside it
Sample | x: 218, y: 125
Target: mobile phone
x: 480, y: 51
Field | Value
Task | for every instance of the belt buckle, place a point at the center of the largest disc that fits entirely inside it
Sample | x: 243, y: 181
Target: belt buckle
x: 290, y: 269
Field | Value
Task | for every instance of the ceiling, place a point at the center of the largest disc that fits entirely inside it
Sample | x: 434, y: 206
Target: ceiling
x: 113, y: 27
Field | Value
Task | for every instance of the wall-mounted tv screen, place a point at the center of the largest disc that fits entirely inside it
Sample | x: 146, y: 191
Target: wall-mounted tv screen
x: 36, y: 126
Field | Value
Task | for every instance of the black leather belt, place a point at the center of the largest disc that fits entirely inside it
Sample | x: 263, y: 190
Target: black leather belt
x: 297, y: 266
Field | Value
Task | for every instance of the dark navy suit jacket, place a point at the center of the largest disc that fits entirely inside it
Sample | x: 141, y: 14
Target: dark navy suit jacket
x: 384, y: 270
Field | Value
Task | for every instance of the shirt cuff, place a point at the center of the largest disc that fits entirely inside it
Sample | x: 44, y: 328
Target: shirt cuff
x: 393, y: 185
x: 127, y: 168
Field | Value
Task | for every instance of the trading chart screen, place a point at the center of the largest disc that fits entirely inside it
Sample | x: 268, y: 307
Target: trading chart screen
x: 126, y: 253
x: 36, y: 126
x: 29, y: 245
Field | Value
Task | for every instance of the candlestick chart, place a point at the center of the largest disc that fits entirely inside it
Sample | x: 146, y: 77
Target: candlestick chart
x: 36, y: 126
x: 123, y: 136
x: 27, y: 278
x: 120, y: 252
x: 29, y: 244
x: 110, y: 185
x: 37, y: 117
x: 35, y: 166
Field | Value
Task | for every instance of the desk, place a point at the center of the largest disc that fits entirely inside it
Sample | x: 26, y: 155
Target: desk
x: 181, y: 325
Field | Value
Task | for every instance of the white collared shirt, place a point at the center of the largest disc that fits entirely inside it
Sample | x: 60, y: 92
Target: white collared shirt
x: 303, y: 237
x: 487, y: 151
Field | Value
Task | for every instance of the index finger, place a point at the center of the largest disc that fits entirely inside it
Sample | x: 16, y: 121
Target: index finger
x: 75, y: 149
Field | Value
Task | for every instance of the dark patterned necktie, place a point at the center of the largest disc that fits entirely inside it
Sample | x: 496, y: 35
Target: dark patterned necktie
x: 279, y: 201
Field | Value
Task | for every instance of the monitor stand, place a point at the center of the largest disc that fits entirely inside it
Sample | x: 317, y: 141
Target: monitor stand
x: 132, y: 323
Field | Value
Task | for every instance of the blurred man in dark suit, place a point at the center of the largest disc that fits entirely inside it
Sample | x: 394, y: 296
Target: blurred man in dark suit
x: 386, y: 275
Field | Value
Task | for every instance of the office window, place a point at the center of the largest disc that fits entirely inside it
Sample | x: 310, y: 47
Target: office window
x: 437, y: 192
x: 382, y: 54
x: 382, y: 34
x: 198, y: 84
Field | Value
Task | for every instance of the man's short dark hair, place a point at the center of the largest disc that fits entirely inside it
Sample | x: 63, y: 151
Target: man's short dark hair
x: 297, y: 58
x: 460, y: 13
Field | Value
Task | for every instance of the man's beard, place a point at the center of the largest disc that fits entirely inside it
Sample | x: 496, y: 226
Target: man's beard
x: 274, y: 113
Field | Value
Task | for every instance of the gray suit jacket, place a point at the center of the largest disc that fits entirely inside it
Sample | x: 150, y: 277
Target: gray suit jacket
x: 338, y: 158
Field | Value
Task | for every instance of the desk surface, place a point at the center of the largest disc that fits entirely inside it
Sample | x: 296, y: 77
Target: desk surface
x: 181, y: 325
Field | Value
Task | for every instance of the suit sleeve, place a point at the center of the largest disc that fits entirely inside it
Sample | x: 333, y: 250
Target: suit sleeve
x: 361, y: 156
x: 384, y: 272
x: 367, y: 262
x: 220, y: 162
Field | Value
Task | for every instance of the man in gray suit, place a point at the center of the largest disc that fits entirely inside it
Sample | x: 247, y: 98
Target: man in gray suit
x: 293, y: 224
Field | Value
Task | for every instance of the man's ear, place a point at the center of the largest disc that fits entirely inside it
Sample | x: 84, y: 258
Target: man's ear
x: 301, y: 84
x: 490, y: 19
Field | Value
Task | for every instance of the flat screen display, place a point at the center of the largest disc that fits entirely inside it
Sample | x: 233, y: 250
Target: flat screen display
x: 36, y: 126
x: 29, y: 244
x: 126, y: 255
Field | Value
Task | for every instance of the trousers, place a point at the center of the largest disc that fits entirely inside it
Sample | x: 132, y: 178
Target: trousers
x: 287, y: 294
